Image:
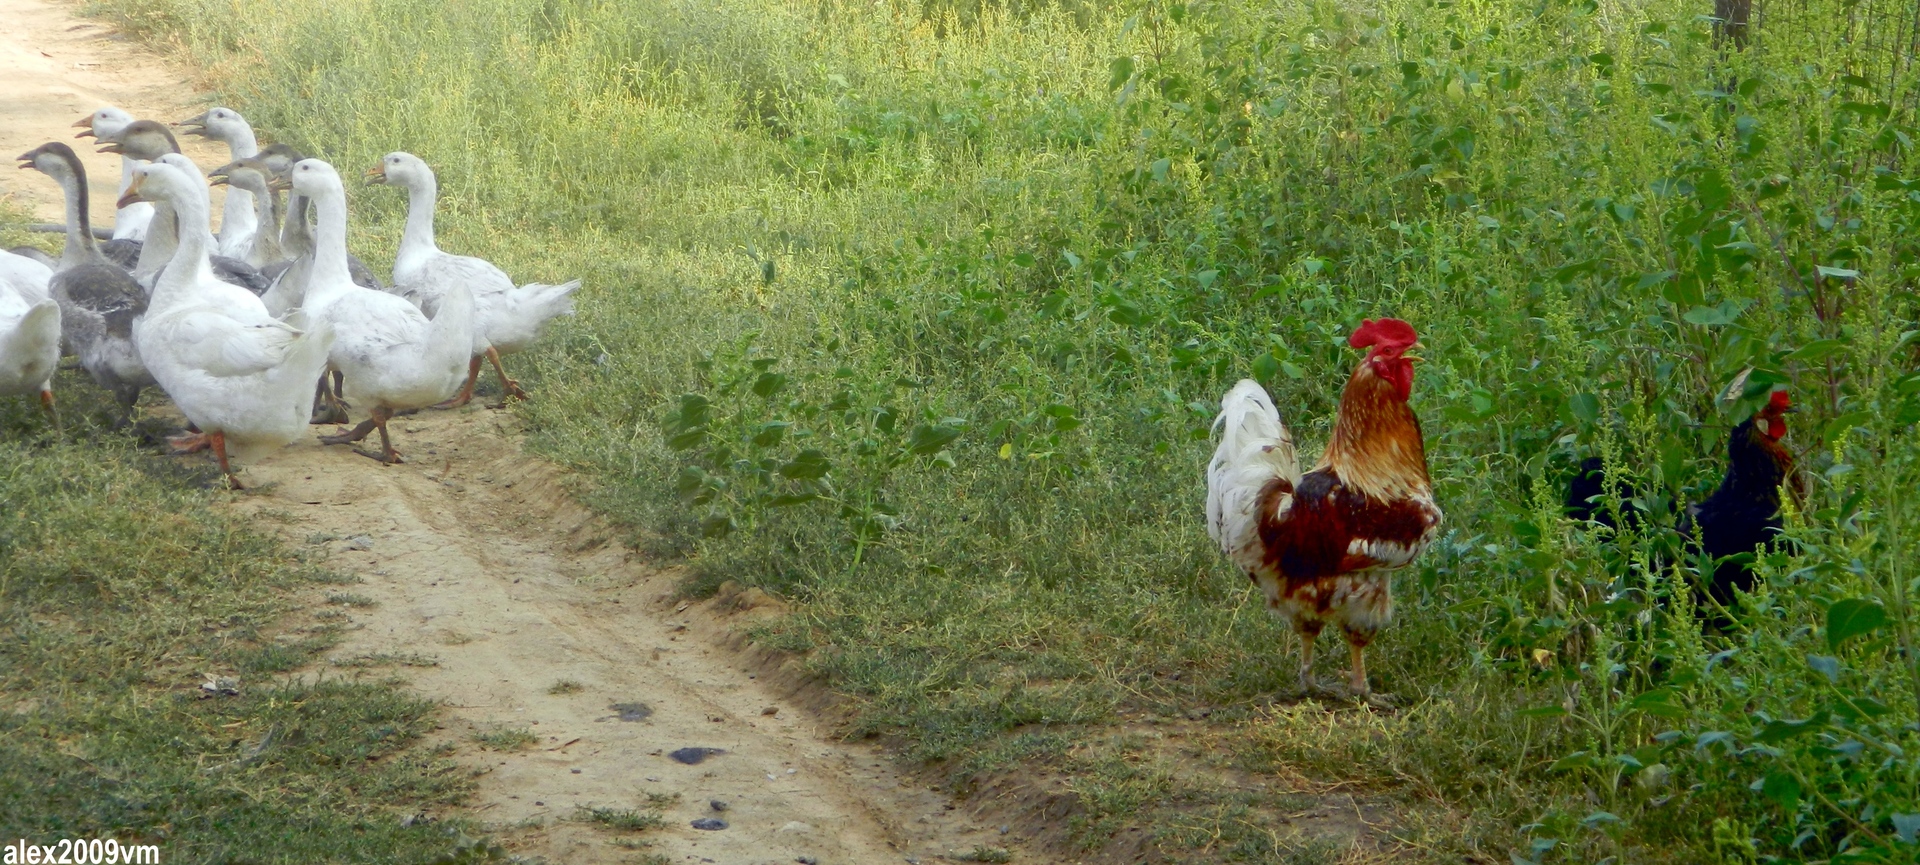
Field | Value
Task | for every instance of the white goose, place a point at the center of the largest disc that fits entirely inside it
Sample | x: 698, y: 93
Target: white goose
x: 130, y: 222
x: 29, y: 330
x: 506, y: 319
x: 238, y: 223
x: 393, y: 357
x: 238, y: 373
x: 252, y: 176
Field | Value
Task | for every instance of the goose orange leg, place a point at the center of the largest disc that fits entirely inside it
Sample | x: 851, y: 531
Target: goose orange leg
x: 218, y: 442
x: 466, y: 391
x: 46, y: 405
x: 511, y: 387
x: 387, y: 455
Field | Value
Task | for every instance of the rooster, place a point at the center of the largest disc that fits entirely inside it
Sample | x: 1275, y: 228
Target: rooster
x: 1322, y: 545
x: 1741, y: 515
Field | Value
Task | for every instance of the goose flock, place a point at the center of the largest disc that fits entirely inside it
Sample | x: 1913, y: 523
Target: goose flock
x: 269, y: 325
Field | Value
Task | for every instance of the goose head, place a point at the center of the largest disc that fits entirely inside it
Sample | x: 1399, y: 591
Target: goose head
x: 54, y: 159
x: 315, y: 179
x: 141, y: 139
x: 249, y: 174
x: 400, y: 169
x: 106, y: 121
x: 159, y: 181
x: 279, y: 157
x: 219, y: 124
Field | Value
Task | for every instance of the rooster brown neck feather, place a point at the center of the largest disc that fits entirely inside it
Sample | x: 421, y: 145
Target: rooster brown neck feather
x: 1376, y: 446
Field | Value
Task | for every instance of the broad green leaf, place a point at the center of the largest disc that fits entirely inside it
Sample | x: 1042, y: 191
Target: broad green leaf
x: 1780, y: 731
x: 1817, y: 350
x: 768, y: 384
x: 1851, y: 618
x: 807, y: 465
x: 1782, y: 788
x: 771, y: 433
x: 1711, y: 316
x: 1585, y: 406
x: 1120, y: 69
x: 929, y: 439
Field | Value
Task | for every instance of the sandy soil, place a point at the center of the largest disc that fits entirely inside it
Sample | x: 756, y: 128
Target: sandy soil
x: 490, y: 590
x: 57, y: 69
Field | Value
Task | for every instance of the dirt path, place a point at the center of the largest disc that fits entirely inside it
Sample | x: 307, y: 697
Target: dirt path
x: 56, y: 69
x: 488, y: 589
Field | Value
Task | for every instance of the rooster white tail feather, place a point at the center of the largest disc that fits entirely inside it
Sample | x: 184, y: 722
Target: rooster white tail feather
x: 1254, y: 449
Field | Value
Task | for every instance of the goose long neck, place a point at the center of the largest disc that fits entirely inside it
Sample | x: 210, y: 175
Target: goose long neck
x: 267, y: 207
x: 126, y: 173
x: 163, y: 236
x: 329, y: 243
x: 190, y: 266
x: 295, y: 238
x: 422, y: 197
x: 242, y: 145
x: 80, y: 245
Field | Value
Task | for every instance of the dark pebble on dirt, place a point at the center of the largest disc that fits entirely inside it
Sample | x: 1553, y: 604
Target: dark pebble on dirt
x: 717, y: 804
x: 694, y: 756
x: 806, y: 860
x: 632, y: 711
x: 711, y: 824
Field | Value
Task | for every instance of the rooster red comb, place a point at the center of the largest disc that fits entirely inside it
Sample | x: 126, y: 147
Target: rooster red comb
x: 1780, y: 400
x: 1386, y: 332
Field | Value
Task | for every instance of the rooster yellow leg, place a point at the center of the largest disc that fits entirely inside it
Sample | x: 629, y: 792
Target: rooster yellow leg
x: 1308, y: 631
x: 466, y: 391
x: 511, y: 387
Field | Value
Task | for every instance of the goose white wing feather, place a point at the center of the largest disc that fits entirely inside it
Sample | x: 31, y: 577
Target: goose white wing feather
x: 223, y: 346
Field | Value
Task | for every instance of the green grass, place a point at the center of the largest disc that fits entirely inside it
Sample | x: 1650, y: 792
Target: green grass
x: 507, y: 738
x: 623, y: 820
x: 916, y: 314
x: 122, y: 589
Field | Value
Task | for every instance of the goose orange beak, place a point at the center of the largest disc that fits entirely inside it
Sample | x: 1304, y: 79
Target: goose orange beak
x: 133, y: 192
x: 376, y: 175
x: 85, y: 125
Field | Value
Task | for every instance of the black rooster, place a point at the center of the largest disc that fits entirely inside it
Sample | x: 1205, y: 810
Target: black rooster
x: 1741, y: 516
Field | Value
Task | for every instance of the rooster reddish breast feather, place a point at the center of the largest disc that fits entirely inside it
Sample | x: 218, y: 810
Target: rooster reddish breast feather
x: 1322, y: 544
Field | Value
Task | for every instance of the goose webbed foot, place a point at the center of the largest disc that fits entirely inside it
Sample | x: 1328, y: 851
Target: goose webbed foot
x: 466, y: 390
x: 351, y: 436
x: 507, y: 384
x: 188, y: 443
x: 387, y: 455
x: 391, y: 457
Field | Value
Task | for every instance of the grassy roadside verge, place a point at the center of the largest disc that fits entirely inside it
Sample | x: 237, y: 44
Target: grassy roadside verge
x: 123, y: 589
x: 915, y: 313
